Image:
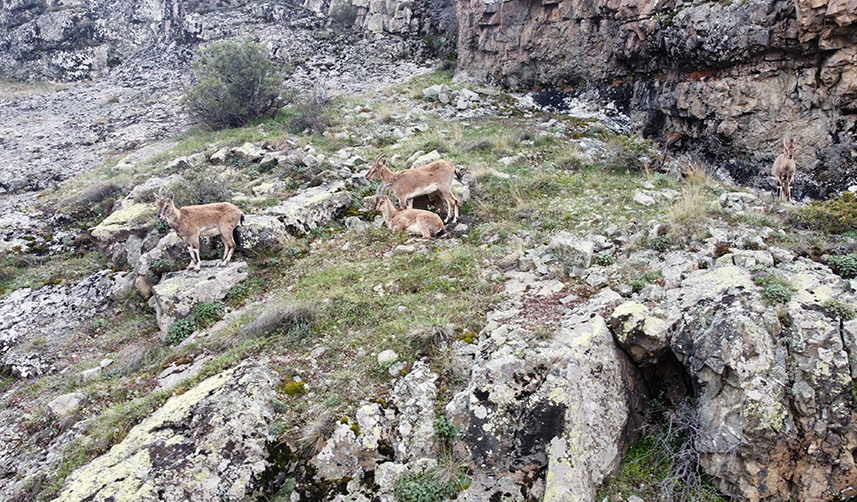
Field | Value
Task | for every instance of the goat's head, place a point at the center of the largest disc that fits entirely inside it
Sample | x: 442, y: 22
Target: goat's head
x: 381, y: 196
x: 789, y: 146
x: 165, y: 204
x: 375, y: 170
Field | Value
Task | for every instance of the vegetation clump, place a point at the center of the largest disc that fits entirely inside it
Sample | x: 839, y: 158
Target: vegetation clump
x: 236, y: 83
x: 844, y: 265
x: 774, y: 289
x: 836, y: 215
x: 837, y: 309
x: 203, y: 315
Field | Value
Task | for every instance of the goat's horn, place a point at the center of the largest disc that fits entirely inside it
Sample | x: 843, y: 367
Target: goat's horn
x: 380, y: 190
x: 379, y: 157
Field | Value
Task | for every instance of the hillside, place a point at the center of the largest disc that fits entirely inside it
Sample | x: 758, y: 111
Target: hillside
x: 609, y: 318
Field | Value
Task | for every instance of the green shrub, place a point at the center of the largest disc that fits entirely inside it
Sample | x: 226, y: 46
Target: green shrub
x: 236, y: 83
x: 309, y: 113
x: 844, y: 265
x: 180, y: 330
x: 444, y: 432
x: 836, y: 215
x: 774, y: 289
x: 207, y: 313
x: 422, y: 488
x: 661, y: 243
x: 605, y: 259
x: 200, y: 187
x: 837, y: 309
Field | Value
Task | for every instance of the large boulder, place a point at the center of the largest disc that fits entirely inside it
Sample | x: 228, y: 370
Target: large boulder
x: 567, y: 405
x: 134, y: 218
x: 205, y: 445
x: 313, y: 207
x: 775, y: 399
x: 175, y: 296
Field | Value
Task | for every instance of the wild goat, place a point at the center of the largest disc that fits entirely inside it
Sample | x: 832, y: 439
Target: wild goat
x: 413, y: 221
x: 206, y: 220
x: 784, y: 169
x: 433, y: 177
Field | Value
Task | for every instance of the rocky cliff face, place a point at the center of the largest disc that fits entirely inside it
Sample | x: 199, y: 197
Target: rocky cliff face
x: 735, y: 77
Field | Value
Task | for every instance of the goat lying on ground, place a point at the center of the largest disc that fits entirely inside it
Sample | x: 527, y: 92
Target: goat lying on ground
x: 413, y: 221
x: 206, y: 220
x: 784, y: 169
x: 433, y: 177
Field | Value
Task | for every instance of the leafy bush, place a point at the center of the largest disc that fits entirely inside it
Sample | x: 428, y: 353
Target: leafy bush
x: 200, y: 187
x: 661, y: 243
x: 844, y: 265
x: 207, y: 313
x: 837, y: 309
x: 180, y: 330
x: 774, y: 289
x: 236, y: 83
x: 604, y: 259
x: 836, y: 215
x: 309, y: 113
x: 444, y: 431
x: 422, y: 488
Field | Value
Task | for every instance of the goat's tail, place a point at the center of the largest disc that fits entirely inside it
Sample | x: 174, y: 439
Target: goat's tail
x: 442, y: 232
x: 236, y: 235
x: 458, y: 174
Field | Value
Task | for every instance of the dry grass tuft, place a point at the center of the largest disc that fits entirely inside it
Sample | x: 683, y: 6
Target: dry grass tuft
x: 296, y: 320
x: 315, y: 431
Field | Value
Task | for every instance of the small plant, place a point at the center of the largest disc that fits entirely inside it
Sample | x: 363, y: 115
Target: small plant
x: 774, y: 289
x: 207, y: 313
x: 292, y: 388
x: 661, y: 243
x: 236, y: 83
x: 237, y: 292
x: 837, y: 309
x: 444, y: 432
x: 844, y: 265
x: 180, y: 330
x: 309, y: 113
x: 604, y: 259
x: 422, y: 488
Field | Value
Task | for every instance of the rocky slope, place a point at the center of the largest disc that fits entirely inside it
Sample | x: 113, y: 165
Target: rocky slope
x: 732, y: 77
x: 547, y: 395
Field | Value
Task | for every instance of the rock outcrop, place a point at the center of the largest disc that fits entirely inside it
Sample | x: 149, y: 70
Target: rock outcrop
x: 736, y: 77
x: 208, y: 444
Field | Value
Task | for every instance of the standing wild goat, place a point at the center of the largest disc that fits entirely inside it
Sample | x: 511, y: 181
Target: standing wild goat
x: 206, y: 220
x: 433, y: 177
x: 412, y: 221
x: 784, y: 169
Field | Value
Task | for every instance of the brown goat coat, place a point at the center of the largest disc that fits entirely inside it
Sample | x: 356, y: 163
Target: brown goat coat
x: 424, y: 180
x: 784, y: 169
x: 205, y: 220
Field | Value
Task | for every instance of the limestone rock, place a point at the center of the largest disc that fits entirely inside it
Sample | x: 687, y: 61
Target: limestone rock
x: 207, y: 444
x: 263, y: 232
x: 571, y: 250
x: 313, y: 207
x: 643, y: 335
x: 178, y: 292
x: 133, y: 218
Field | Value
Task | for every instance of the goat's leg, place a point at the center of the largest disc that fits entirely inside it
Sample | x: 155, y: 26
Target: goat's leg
x: 228, y: 245
x: 193, y: 248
